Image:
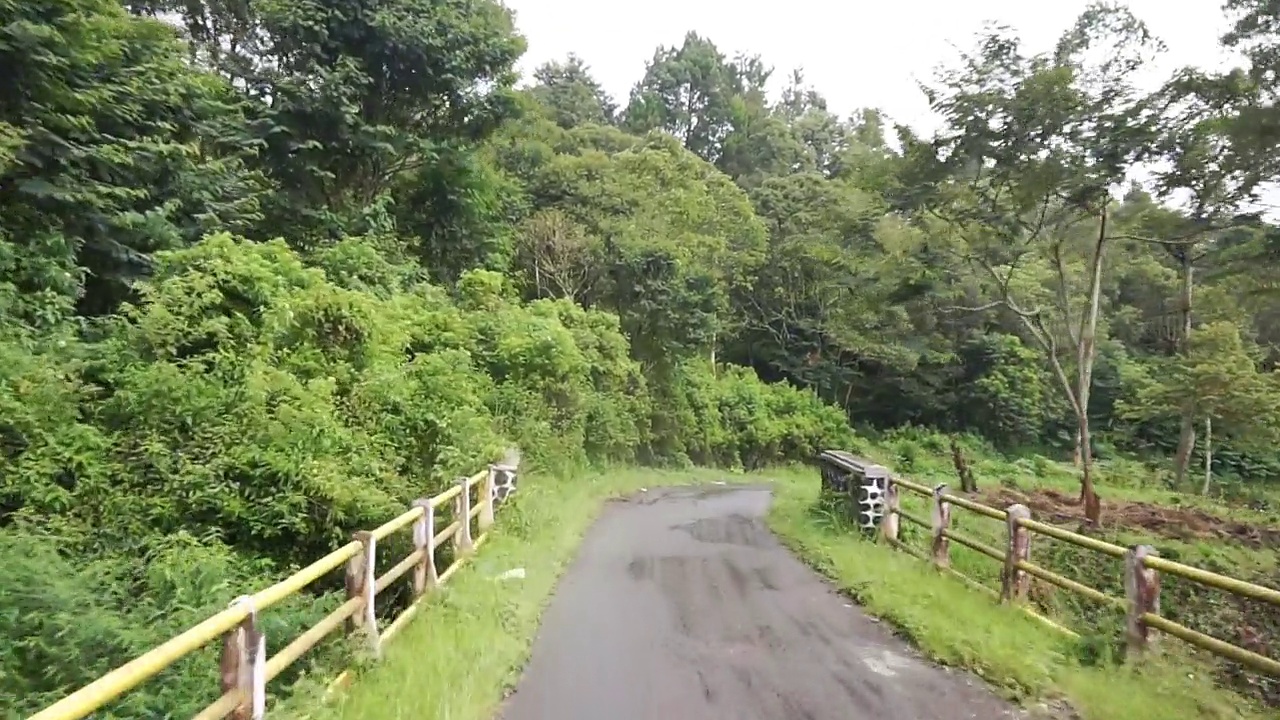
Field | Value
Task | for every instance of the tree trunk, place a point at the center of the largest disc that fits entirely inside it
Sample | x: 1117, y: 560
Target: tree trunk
x: 1187, y: 435
x: 1208, y: 455
x: 1186, y: 446
x: 1085, y: 354
x: 967, y: 481
x: 1092, y: 503
x: 1075, y: 455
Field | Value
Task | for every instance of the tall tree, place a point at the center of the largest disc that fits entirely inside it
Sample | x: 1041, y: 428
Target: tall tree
x: 1033, y: 147
x: 1255, y: 32
x: 571, y: 95
x: 351, y: 94
x: 1215, y: 158
x: 111, y: 148
x: 689, y: 92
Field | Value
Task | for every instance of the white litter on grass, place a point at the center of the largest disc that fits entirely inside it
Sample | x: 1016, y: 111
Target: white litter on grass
x: 717, y: 482
x: 516, y: 574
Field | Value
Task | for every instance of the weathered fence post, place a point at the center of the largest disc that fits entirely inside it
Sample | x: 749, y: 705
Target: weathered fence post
x: 889, y: 524
x: 244, y: 665
x: 486, y: 499
x: 462, y: 542
x: 362, y: 583
x: 424, y: 534
x: 1015, y: 582
x: 941, y: 517
x: 1142, y: 590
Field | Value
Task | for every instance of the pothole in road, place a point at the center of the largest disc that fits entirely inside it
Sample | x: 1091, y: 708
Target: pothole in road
x: 730, y: 530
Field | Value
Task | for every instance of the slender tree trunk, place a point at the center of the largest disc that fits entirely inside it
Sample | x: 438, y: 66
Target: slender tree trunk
x: 1186, y: 446
x: 1085, y: 354
x: 1187, y: 433
x: 1075, y: 455
x: 1208, y: 455
x: 1092, y: 503
x: 968, y: 483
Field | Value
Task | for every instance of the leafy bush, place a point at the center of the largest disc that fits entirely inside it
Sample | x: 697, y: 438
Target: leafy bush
x: 250, y: 410
x: 729, y: 417
x: 66, y: 623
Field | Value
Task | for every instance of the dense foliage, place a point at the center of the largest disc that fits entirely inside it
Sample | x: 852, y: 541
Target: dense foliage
x: 253, y: 300
x: 270, y: 271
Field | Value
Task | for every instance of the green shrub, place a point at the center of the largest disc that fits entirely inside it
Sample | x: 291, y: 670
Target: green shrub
x: 249, y: 411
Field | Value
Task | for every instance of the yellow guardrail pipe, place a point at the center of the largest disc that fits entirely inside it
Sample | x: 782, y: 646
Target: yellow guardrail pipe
x: 1242, y: 588
x: 116, y: 683
x: 137, y: 671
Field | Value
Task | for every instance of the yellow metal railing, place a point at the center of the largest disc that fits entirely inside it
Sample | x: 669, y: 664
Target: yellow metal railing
x: 1142, y: 568
x: 245, y: 669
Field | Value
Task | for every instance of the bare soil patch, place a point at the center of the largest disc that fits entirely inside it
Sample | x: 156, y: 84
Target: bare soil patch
x: 1180, y: 523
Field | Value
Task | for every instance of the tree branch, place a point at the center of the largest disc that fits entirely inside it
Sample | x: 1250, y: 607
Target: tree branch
x: 1064, y: 303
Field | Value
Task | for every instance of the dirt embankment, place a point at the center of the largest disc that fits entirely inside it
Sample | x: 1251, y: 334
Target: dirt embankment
x: 1248, y: 623
x: 1179, y: 523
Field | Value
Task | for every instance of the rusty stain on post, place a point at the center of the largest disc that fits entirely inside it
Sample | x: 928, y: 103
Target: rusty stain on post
x: 370, y: 590
x: 354, y: 579
x: 486, y: 499
x: 234, y: 668
x: 243, y: 665
x: 1015, y: 582
x: 424, y: 532
x: 1142, y: 591
x: 462, y: 514
x: 362, y: 584
x: 889, y: 524
x: 941, y: 518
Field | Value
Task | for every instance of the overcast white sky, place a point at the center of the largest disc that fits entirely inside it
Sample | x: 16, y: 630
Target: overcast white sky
x: 858, y: 54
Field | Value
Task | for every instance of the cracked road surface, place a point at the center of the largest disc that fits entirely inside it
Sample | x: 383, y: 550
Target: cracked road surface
x: 681, y: 605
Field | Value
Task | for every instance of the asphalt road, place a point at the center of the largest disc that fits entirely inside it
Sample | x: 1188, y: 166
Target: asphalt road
x: 681, y: 605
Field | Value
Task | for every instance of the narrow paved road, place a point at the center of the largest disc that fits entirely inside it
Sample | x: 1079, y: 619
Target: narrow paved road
x: 682, y: 606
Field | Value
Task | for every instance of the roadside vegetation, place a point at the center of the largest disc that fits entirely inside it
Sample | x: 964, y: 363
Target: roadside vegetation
x: 1211, y: 533
x: 261, y: 286
x: 1046, y: 671
x: 461, y: 658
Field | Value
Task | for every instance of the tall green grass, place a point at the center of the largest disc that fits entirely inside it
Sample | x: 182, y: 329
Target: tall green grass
x: 962, y: 627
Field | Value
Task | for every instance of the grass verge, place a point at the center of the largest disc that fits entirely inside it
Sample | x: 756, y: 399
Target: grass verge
x: 457, y: 658
x: 961, y: 627
x: 468, y: 645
